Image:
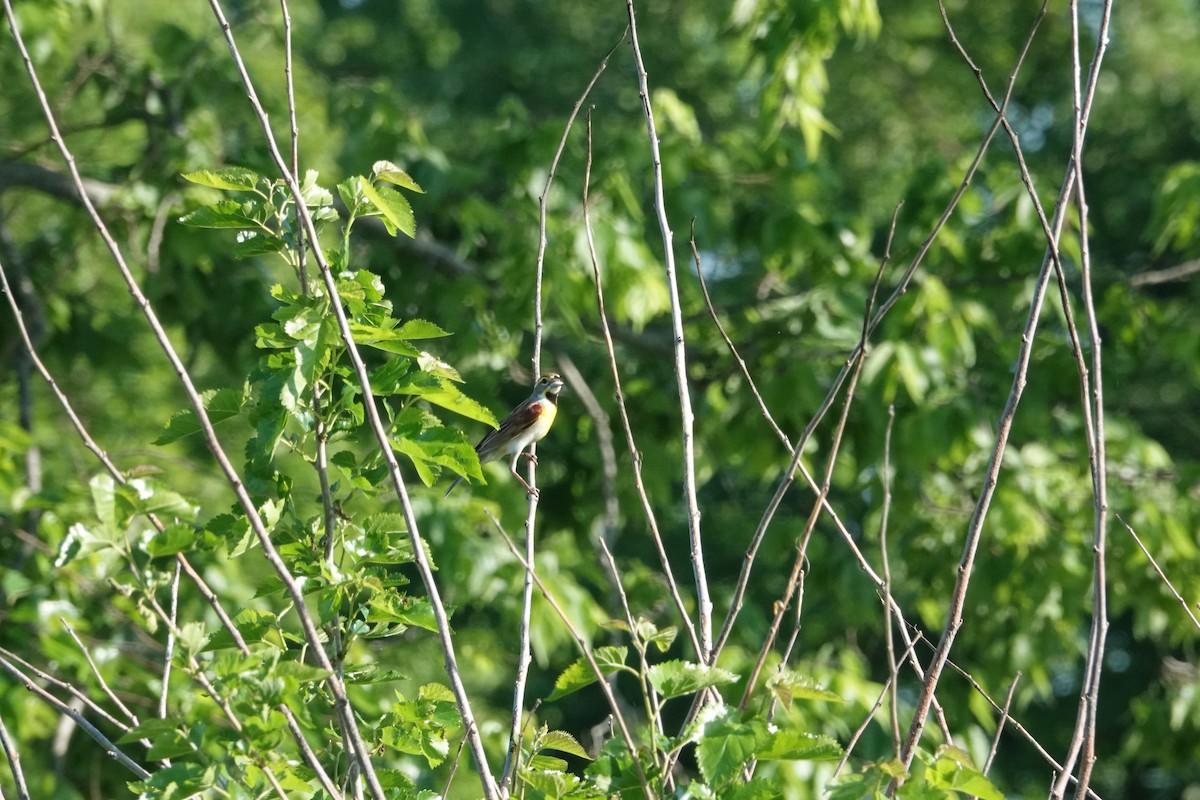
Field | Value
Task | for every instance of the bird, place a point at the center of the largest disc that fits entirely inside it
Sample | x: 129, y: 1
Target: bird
x: 527, y: 423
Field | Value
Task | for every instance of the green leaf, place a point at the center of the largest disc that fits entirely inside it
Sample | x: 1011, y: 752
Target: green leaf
x: 552, y: 784
x: 173, y: 539
x: 251, y: 243
x: 548, y: 763
x: 149, y: 729
x: 225, y: 214
x: 679, y: 678
x: 788, y: 685
x: 953, y: 769
x: 384, y: 339
x: 441, y: 392
x: 392, y: 206
x: 444, y: 447
x: 789, y: 744
x: 221, y: 405
x: 230, y: 178
x: 178, y: 781
x: 723, y: 749
x: 563, y: 742
x: 580, y: 674
x: 254, y: 626
x: 420, y: 329
x: 387, y: 171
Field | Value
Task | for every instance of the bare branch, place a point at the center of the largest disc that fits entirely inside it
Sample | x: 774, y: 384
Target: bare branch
x: 13, y: 755
x: 1012, y: 688
x: 585, y: 650
x: 685, y: 400
x: 65, y: 708
x: 524, y: 657
x: 1160, y: 572
x: 672, y: 585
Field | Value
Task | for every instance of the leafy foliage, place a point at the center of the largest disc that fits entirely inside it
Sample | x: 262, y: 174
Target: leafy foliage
x: 790, y: 131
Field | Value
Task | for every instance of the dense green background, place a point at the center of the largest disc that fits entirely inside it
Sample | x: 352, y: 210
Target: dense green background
x: 790, y: 131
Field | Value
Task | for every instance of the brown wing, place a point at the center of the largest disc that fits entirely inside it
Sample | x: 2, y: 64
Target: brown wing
x: 522, y: 418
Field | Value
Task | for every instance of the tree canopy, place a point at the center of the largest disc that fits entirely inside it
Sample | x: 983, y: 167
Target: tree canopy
x: 848, y: 227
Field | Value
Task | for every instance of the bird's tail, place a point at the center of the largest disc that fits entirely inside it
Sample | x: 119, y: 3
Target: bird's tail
x: 457, y: 481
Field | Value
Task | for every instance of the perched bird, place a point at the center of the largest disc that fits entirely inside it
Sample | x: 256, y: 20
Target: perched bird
x: 526, y: 424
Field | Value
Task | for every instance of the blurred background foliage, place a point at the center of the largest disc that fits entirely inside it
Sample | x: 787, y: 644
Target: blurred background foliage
x: 790, y: 131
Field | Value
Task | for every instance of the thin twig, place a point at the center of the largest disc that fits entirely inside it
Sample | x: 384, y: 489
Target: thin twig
x: 889, y: 688
x: 310, y: 757
x: 524, y: 656
x: 1187, y: 609
x: 585, y: 650
x: 13, y: 754
x: 636, y: 457
x: 454, y: 766
x: 1012, y: 688
x: 893, y: 665
x: 1015, y: 725
x: 685, y: 401
x: 87, y: 654
x: 1094, y: 663
x: 741, y: 362
x: 169, y: 650
x: 1004, y: 427
x: 69, y: 688
x: 64, y: 708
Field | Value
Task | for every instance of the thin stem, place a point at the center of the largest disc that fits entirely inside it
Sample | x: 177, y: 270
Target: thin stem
x: 585, y: 650
x: 87, y: 727
x: 685, y: 400
x: 889, y: 688
x: 1187, y: 609
x: 893, y: 666
x: 306, y: 751
x: 13, y: 755
x: 96, y: 671
x: 1012, y: 688
x: 1085, y: 729
x: 524, y: 656
x: 655, y: 535
x: 169, y: 651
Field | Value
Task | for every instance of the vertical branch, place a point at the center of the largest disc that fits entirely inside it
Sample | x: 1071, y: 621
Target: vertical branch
x: 672, y: 584
x: 295, y: 137
x: 1012, y: 688
x: 893, y: 665
x: 524, y: 657
x: 582, y: 644
x: 169, y: 651
x: 1084, y: 737
x: 13, y: 755
x: 685, y: 399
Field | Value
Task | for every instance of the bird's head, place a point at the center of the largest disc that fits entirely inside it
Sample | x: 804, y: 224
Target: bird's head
x: 549, y: 385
